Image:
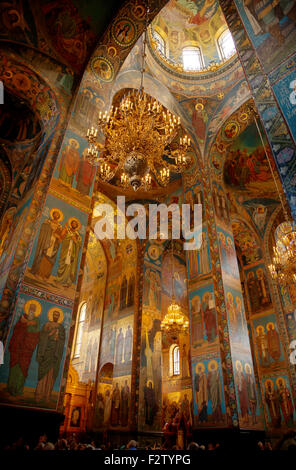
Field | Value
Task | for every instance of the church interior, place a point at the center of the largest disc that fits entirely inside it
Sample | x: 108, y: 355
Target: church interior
x: 172, y: 102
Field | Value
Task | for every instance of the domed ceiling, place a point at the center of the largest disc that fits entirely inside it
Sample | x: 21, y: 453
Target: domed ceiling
x: 188, y: 23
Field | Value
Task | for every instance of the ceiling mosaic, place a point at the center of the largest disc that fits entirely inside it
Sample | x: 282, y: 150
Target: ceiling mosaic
x: 183, y: 23
x: 66, y: 31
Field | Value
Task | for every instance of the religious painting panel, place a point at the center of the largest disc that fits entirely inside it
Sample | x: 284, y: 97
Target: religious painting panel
x: 291, y: 325
x: 94, y: 281
x: 150, y: 386
x: 236, y: 316
x: 73, y: 174
x: 258, y: 289
x: 34, y: 358
x: 271, y: 27
x: 228, y: 254
x: 199, y: 260
x: 173, y: 279
x: 87, y: 104
x: 177, y: 417
x: 103, y: 404
x: 122, y: 358
x: 152, y: 288
x: 75, y: 417
x: 246, y: 391
x: 260, y: 210
x: 268, y: 344
x: 246, y: 167
x: 285, y: 91
x: 220, y: 204
x: 288, y: 295
x: 56, y: 252
x: 10, y: 230
x: 113, y: 403
x: 246, y: 244
x: 279, y: 402
x: 208, y: 396
x: 204, y: 331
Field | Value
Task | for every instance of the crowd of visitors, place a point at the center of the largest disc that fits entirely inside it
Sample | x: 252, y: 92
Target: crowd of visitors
x: 74, y: 443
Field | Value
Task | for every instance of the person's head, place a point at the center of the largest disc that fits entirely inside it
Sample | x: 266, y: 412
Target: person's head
x: 49, y: 446
x: 74, y: 224
x: 31, y: 311
x: 132, y: 445
x: 55, y: 215
x: 211, y: 446
x: 56, y: 316
x: 43, y: 438
x: 193, y: 446
x: 75, y: 416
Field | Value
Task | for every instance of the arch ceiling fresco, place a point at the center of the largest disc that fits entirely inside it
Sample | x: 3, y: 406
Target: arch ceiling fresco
x: 181, y: 23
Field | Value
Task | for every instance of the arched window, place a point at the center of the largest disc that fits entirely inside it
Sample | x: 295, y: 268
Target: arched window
x: 81, y: 321
x: 176, y: 360
x: 226, y: 45
x: 192, y: 59
x: 161, y: 46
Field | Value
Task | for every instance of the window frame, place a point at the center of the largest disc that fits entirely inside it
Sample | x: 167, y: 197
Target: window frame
x: 220, y: 46
x: 176, y: 361
x: 200, y: 56
x: 160, y: 42
x: 79, y: 331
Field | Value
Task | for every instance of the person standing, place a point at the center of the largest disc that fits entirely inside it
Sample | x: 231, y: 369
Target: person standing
x: 125, y: 394
x: 48, y: 244
x: 115, y: 411
x: 49, y: 354
x: 85, y: 175
x: 201, y: 393
x: 22, y: 344
x: 215, y: 390
x: 68, y: 260
x: 69, y: 162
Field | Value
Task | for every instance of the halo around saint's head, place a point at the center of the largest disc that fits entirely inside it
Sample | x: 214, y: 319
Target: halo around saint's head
x: 267, y: 382
x: 76, y: 220
x: 248, y: 368
x: 74, y: 141
x: 199, y: 365
x: 56, y: 309
x: 259, y: 328
x: 213, y: 363
x: 282, y: 380
x: 33, y: 302
x: 270, y: 324
x: 238, y: 365
x: 61, y: 215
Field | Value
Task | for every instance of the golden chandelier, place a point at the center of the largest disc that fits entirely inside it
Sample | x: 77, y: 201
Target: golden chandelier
x: 143, y: 140
x: 283, y: 266
x: 174, y: 322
